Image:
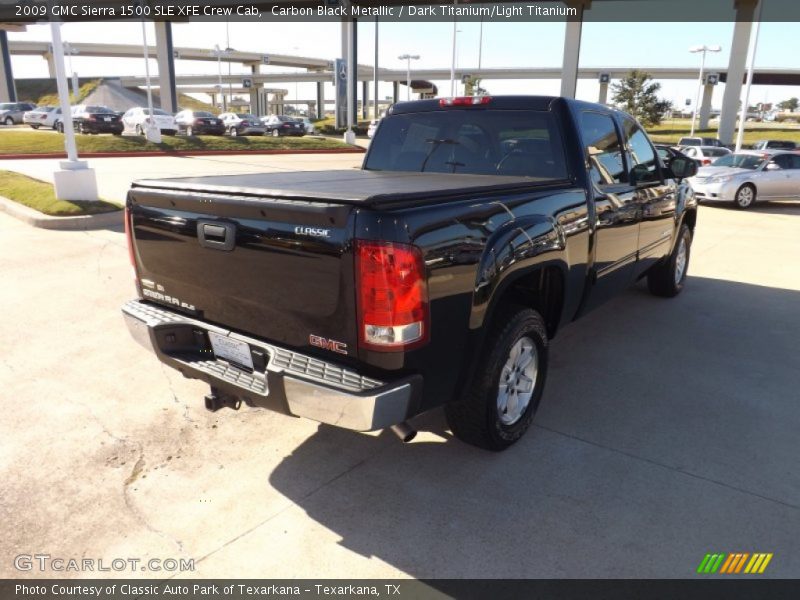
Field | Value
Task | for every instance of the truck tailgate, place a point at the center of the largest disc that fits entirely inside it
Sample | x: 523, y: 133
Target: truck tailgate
x: 278, y: 269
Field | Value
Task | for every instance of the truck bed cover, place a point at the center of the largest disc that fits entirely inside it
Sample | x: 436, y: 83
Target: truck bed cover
x: 349, y: 186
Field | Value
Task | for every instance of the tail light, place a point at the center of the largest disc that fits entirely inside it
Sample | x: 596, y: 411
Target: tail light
x: 706, y: 161
x: 465, y: 101
x: 129, y: 238
x: 392, y: 291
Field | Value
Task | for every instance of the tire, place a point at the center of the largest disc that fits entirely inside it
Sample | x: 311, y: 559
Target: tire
x: 234, y: 132
x: 666, y: 279
x: 82, y: 129
x: 189, y: 131
x: 60, y: 127
x: 9, y: 121
x: 276, y: 133
x: 488, y: 416
x: 138, y: 129
x: 34, y: 127
x: 745, y: 196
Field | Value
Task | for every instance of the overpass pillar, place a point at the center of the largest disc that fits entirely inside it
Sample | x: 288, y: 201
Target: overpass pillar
x: 51, y: 65
x: 255, y: 106
x: 166, y: 66
x: 745, y: 13
x: 705, y: 105
x: 320, y: 99
x: 572, y: 48
x: 364, y: 100
x: 603, y: 97
x: 8, y: 91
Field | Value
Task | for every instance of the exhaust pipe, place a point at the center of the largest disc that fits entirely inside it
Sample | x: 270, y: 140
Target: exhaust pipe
x: 404, y: 431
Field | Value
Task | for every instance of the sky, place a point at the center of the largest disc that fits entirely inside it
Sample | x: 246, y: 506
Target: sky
x: 504, y: 45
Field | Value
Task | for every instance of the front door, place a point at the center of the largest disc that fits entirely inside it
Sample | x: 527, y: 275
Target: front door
x: 615, y: 205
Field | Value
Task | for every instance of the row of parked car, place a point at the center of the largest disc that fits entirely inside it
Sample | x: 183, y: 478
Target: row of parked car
x: 90, y: 119
x: 769, y: 171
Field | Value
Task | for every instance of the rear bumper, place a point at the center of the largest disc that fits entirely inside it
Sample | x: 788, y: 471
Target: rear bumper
x: 282, y: 380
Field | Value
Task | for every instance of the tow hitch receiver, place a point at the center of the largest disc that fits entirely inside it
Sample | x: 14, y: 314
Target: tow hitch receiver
x: 216, y: 400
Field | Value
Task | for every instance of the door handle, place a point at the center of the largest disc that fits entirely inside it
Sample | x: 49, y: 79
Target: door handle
x: 216, y: 235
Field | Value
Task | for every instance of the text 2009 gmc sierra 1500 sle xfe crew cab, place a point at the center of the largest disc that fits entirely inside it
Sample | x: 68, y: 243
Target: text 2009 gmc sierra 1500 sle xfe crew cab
x: 435, y: 275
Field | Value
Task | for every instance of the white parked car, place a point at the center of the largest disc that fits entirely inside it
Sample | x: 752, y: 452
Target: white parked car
x: 43, y: 116
x: 745, y: 177
x: 136, y: 118
x: 705, y: 155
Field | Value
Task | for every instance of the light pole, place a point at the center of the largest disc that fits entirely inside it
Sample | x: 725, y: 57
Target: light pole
x: 408, y: 58
x: 694, y: 50
x: 219, y: 53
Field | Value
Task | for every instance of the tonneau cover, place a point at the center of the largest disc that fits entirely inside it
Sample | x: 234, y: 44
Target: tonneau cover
x: 351, y: 186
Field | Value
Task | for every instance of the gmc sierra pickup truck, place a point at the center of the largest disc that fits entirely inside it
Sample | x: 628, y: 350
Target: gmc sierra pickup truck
x: 434, y: 275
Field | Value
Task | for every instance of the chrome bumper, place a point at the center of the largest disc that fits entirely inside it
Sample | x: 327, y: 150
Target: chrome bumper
x: 288, y: 382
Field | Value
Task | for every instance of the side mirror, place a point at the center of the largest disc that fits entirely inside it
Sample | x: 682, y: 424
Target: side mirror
x: 773, y: 166
x: 683, y: 167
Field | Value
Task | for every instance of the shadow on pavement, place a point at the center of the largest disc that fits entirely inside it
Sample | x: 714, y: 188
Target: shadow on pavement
x: 668, y: 427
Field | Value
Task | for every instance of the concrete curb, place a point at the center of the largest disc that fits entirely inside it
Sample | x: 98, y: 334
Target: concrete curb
x: 37, y: 219
x: 60, y: 155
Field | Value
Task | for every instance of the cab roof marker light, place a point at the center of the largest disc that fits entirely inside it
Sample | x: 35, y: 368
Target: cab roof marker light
x: 465, y: 101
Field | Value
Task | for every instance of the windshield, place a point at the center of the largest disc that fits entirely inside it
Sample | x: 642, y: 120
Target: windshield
x: 98, y: 109
x: 157, y: 112
x: 739, y: 161
x: 245, y: 116
x: 284, y: 119
x: 6, y: 106
x: 715, y: 151
x: 202, y: 113
x: 521, y: 143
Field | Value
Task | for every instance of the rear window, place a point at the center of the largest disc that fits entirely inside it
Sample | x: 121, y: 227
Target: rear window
x: 519, y: 143
x: 715, y: 152
x: 781, y: 144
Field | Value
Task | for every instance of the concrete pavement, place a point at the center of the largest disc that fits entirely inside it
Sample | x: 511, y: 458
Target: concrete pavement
x: 668, y: 430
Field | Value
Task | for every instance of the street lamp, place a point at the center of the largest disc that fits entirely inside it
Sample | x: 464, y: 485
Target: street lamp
x: 703, y: 50
x: 408, y: 58
x: 219, y: 53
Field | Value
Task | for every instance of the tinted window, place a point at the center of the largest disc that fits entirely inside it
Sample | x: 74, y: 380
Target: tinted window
x: 603, y: 149
x: 781, y: 144
x: 643, y: 159
x: 741, y: 161
x: 689, y: 142
x: 784, y: 161
x: 715, y: 151
x: 202, y: 113
x: 520, y: 143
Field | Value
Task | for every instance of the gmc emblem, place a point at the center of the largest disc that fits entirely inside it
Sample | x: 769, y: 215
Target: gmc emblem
x: 332, y: 345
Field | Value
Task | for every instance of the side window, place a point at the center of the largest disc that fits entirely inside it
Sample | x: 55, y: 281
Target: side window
x: 784, y: 161
x: 795, y: 161
x: 603, y: 149
x: 643, y: 161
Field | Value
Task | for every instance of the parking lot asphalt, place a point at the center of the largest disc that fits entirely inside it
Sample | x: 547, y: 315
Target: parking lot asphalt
x: 669, y: 429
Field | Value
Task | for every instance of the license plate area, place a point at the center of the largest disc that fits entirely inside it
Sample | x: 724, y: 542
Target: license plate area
x: 231, y: 350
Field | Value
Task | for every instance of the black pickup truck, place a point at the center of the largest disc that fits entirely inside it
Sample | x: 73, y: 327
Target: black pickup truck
x: 434, y: 275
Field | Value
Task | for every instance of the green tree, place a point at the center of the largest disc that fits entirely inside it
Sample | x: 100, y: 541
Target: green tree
x: 637, y: 94
x: 791, y: 104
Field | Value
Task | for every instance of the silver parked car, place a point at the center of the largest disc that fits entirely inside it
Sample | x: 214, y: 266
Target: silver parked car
x: 12, y: 113
x: 745, y: 177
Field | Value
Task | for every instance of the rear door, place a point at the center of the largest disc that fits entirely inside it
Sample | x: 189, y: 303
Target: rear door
x: 615, y: 205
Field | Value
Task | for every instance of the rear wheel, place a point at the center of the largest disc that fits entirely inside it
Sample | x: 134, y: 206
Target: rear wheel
x: 139, y: 130
x: 234, y: 132
x: 745, y: 196
x: 60, y: 127
x: 9, y: 121
x: 498, y: 407
x: 82, y: 129
x: 666, y: 279
x: 275, y: 133
x: 34, y: 127
x: 189, y: 131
